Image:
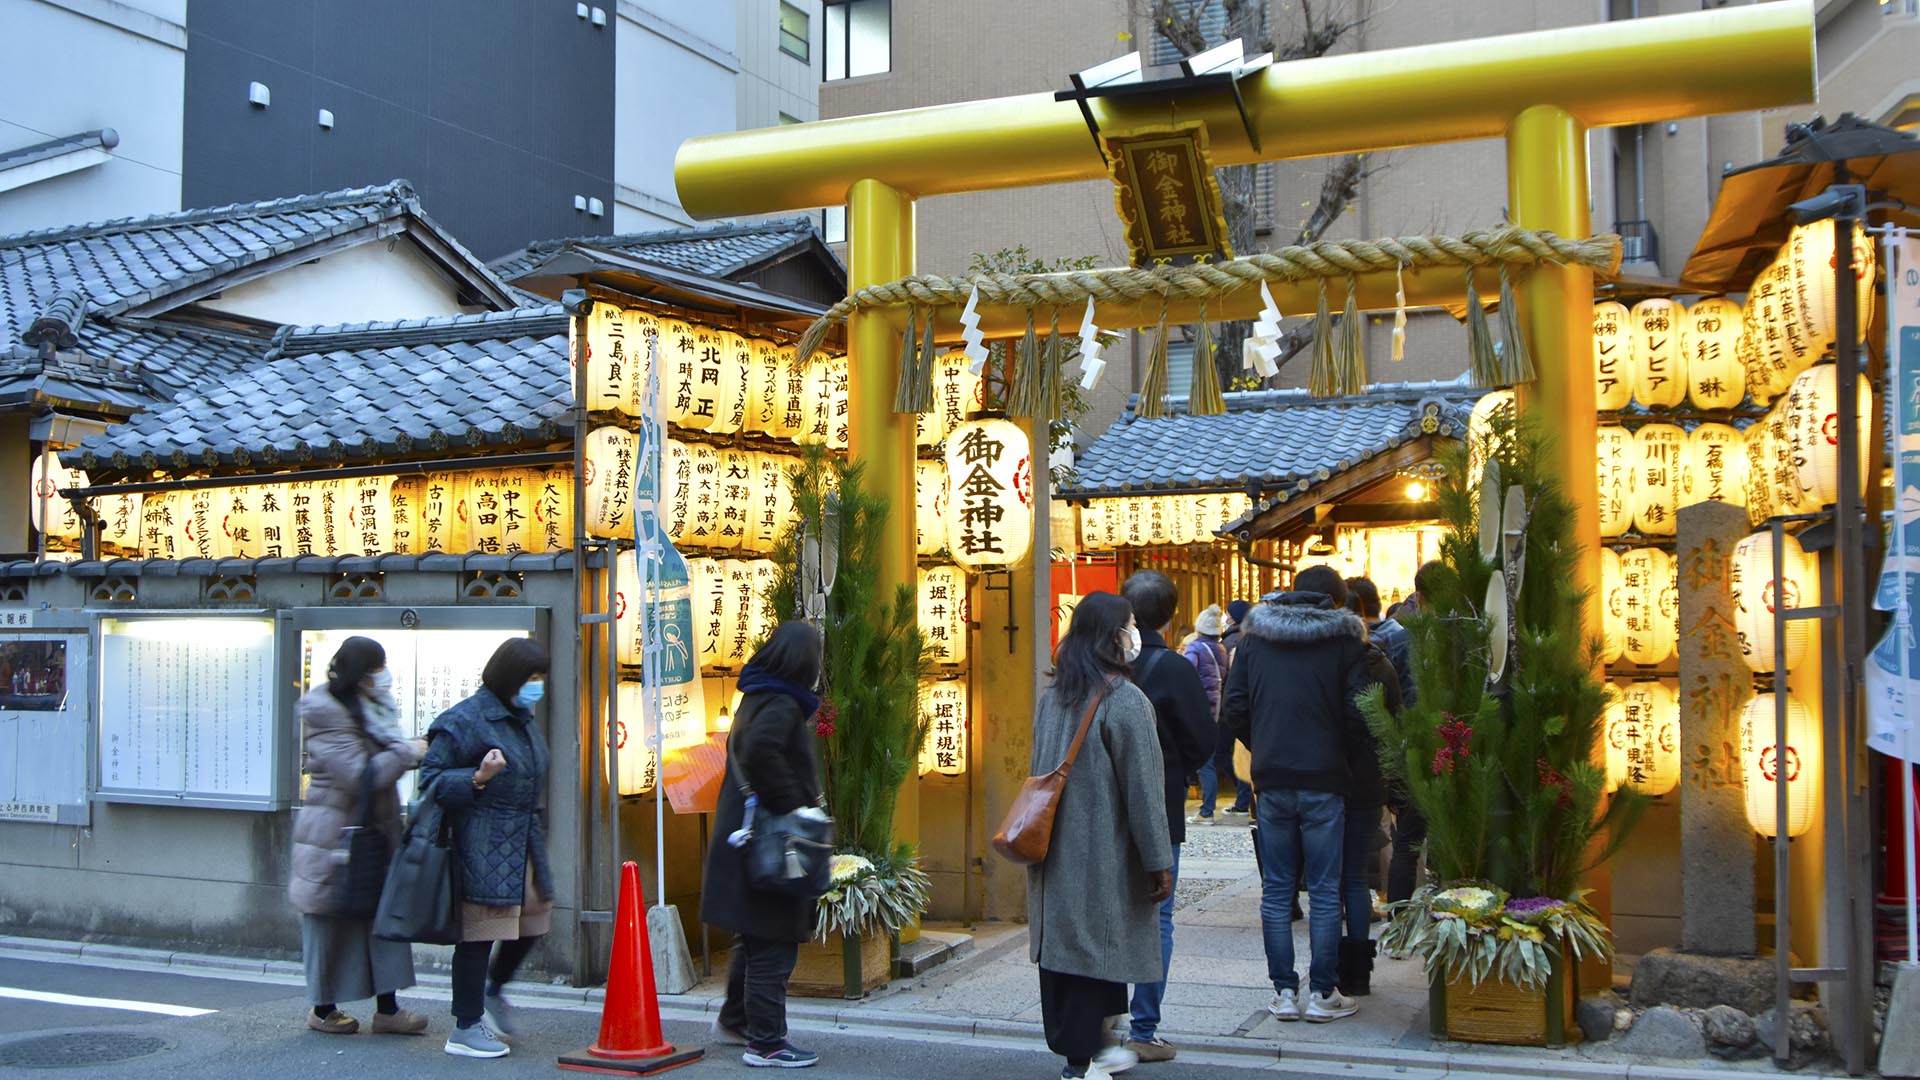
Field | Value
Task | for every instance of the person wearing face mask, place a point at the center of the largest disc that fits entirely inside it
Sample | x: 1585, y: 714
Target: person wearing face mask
x: 355, y: 752
x: 487, y: 765
x: 1093, y: 902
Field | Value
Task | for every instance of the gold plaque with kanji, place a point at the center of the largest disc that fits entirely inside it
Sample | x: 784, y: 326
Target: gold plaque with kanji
x: 1164, y: 187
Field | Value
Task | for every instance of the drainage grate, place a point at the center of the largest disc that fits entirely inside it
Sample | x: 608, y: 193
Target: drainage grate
x: 79, y: 1048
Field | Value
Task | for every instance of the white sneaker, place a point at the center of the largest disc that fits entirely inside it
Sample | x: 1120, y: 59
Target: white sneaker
x: 1332, y: 1005
x: 1113, y: 1060
x: 1285, y: 1006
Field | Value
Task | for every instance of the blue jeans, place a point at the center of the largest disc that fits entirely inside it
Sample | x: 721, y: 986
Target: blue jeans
x: 1358, y: 845
x: 1221, y: 764
x: 1148, y: 996
x: 1296, y: 824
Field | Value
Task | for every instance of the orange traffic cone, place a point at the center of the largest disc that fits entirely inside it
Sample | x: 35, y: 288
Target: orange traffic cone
x: 630, y: 1042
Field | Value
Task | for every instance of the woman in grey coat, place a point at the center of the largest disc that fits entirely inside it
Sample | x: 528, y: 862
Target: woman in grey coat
x: 1092, y: 905
x: 353, y: 744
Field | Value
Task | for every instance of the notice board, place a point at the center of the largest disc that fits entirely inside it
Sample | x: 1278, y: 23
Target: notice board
x: 43, y: 727
x: 187, y: 711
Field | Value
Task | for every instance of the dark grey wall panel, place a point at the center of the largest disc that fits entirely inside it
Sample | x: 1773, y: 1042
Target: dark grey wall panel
x: 498, y: 111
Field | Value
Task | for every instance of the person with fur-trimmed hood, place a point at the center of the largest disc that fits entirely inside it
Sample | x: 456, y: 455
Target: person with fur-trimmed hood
x: 1291, y: 697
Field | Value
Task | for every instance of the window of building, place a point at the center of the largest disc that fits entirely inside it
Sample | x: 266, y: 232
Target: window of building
x: 833, y: 224
x: 859, y: 38
x: 795, y: 33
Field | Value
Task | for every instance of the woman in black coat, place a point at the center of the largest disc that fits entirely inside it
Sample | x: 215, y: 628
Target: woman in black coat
x: 769, y: 751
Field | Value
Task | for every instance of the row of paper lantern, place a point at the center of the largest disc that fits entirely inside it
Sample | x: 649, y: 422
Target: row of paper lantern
x: 1386, y: 556
x: 713, y: 380
x: 711, y: 496
x: 1156, y: 520
x: 1661, y: 353
x: 1787, y: 462
x: 1641, y: 736
x: 1641, y: 593
x: 684, y: 726
x: 943, y: 702
x: 723, y: 382
x: 730, y: 613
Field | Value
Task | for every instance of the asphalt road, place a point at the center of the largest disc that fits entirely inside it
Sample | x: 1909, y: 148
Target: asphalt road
x: 252, y: 1030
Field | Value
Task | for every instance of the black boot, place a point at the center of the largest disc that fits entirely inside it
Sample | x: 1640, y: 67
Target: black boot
x: 1356, y: 966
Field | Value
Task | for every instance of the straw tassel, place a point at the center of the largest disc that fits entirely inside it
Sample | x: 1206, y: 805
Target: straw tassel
x: 1516, y: 360
x: 1399, y: 312
x: 1322, y: 381
x: 1154, y: 389
x: 1203, y: 393
x: 1352, y: 364
x: 1025, y: 397
x: 923, y: 378
x: 1483, y: 363
x: 903, y: 388
x: 1050, y: 395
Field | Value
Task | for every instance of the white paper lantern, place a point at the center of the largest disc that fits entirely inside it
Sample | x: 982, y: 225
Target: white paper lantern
x: 1645, y: 576
x: 1642, y: 738
x: 1813, y: 407
x: 676, y: 482
x: 618, y: 340
x: 737, y: 385
x: 1716, y: 379
x: 1761, y: 765
x: 929, y: 506
x: 1756, y: 595
x: 944, y: 703
x: 442, y: 527
x: 406, y: 494
x: 203, y: 532
x: 306, y: 517
x: 552, y: 512
x: 163, y: 526
x: 626, y: 607
x: 1659, y: 367
x: 839, y: 406
x: 1480, y: 427
x: 1613, y: 605
x: 1759, y: 446
x: 1612, y: 357
x: 703, y: 499
x: 736, y: 631
x: 956, y: 397
x: 1773, y: 341
x: 1716, y: 466
x: 502, y: 501
x: 1093, y: 525
x: 734, y: 487
x: 633, y: 739
x: 1159, y: 521
x: 693, y: 375
x: 817, y: 405
x: 1658, y: 450
x: 610, y: 462
x: 766, y: 378
x: 795, y: 419
x: 1613, y: 450
x: 47, y: 510
x: 119, y: 520
x: 709, y: 612
x: 1179, y: 526
x: 989, y: 495
x: 765, y: 572
x: 1783, y: 475
x: 943, y: 613
x: 772, y: 510
x: 1809, y: 256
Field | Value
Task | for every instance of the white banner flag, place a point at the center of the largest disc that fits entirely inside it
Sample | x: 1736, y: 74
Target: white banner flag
x: 1893, y: 676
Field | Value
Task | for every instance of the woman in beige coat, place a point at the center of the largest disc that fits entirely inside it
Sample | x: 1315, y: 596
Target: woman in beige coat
x: 352, y: 744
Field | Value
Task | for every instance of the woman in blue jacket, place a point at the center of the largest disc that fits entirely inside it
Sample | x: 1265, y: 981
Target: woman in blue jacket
x: 487, y: 765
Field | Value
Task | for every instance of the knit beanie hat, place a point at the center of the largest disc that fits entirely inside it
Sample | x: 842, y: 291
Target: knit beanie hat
x: 1237, y: 611
x: 1209, y: 622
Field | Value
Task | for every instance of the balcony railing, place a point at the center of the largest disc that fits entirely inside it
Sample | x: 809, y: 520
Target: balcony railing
x: 1638, y: 241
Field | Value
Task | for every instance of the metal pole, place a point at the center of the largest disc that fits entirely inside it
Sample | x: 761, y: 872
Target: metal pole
x: 611, y: 687
x: 1891, y: 245
x: 1782, y: 902
x: 582, y: 651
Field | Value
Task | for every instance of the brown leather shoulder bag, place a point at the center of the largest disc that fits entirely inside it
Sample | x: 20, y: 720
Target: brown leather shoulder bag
x: 1027, y: 832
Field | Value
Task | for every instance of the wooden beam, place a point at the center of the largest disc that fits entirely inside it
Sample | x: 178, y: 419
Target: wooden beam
x: 1384, y: 512
x: 1286, y: 515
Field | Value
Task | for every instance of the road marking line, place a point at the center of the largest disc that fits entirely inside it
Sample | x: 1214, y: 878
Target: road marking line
x: 47, y: 997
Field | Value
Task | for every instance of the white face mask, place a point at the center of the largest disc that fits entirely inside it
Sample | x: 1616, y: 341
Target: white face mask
x: 1131, y: 650
x: 380, y: 682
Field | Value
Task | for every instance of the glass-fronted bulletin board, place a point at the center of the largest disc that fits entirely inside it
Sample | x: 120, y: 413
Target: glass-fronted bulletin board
x: 187, y: 710
x: 44, y: 708
x: 435, y: 654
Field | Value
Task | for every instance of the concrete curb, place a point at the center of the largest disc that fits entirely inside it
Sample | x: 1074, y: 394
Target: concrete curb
x: 853, y: 1017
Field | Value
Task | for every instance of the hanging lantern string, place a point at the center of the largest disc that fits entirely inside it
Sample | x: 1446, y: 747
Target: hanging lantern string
x: 1322, y: 259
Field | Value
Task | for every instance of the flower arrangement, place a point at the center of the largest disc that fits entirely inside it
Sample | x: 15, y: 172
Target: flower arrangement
x: 871, y: 896
x: 1475, y: 931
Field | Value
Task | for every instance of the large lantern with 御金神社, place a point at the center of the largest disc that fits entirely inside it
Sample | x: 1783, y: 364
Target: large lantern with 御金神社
x: 989, y: 495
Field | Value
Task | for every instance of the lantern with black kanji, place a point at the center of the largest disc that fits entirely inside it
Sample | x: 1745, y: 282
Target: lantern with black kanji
x: 1716, y: 379
x: 1612, y: 357
x: 1615, y: 465
x: 1657, y: 453
x: 1659, y: 367
x: 989, y: 495
x: 943, y: 613
x: 944, y: 704
x: 1757, y: 595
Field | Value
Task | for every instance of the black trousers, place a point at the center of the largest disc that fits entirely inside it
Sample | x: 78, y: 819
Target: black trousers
x: 1074, y: 1011
x: 757, y: 975
x: 471, y: 973
x: 1409, y: 834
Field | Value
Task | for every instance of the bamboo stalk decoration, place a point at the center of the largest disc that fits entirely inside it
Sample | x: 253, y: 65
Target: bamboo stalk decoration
x: 1516, y: 360
x: 1483, y: 363
x: 1154, y: 389
x: 1351, y: 366
x: 1203, y: 393
x: 903, y: 388
x: 1322, y: 380
x: 1302, y: 262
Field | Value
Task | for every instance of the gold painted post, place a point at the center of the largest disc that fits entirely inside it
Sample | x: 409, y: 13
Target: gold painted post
x: 880, y: 237
x: 1547, y: 189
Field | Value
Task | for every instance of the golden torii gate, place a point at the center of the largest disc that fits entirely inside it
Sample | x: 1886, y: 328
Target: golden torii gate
x: 1540, y: 91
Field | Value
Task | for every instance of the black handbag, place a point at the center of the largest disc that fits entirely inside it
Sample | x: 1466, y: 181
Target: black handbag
x: 421, y: 900
x: 791, y: 853
x: 364, y: 853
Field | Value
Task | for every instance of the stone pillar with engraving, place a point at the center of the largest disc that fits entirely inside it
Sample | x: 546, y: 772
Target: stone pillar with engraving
x: 1716, y: 844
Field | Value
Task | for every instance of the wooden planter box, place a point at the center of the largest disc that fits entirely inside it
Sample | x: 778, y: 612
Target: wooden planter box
x: 823, y: 968
x: 1496, y: 1011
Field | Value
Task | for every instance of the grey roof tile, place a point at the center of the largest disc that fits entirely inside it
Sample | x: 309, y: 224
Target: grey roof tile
x: 719, y: 250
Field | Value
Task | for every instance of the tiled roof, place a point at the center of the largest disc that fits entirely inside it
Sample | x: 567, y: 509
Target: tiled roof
x: 720, y: 250
x: 1273, y: 439
x: 337, y: 394
x: 303, y: 564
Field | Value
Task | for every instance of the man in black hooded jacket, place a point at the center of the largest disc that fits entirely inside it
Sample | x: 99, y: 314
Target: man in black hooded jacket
x: 1301, y: 665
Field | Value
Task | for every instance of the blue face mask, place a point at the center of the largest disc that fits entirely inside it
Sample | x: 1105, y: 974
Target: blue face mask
x: 530, y: 695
